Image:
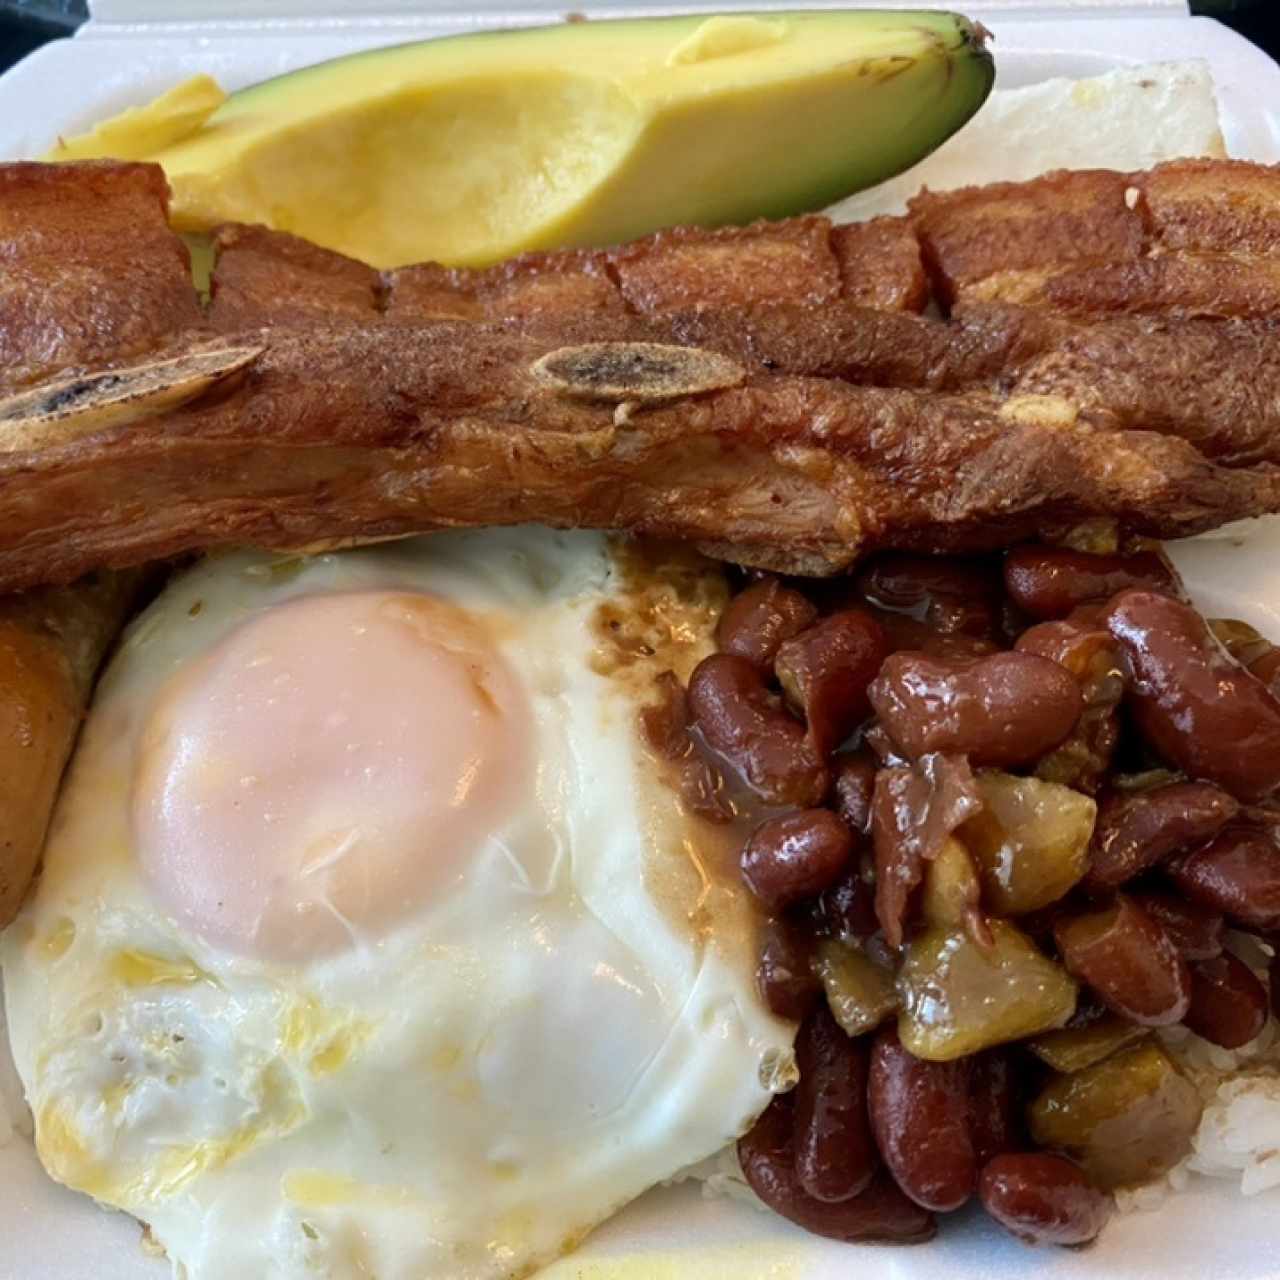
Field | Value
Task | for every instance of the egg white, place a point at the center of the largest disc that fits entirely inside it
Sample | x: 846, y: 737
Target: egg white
x: 569, y: 1021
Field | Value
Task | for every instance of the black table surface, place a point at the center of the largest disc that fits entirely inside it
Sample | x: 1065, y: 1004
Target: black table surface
x: 26, y: 24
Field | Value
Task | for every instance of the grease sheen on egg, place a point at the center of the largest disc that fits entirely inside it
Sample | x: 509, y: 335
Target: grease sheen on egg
x: 369, y: 942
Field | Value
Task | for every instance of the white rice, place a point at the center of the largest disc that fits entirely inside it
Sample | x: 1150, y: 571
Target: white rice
x: 1239, y: 1134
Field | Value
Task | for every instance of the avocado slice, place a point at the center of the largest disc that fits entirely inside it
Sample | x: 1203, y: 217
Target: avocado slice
x: 472, y: 148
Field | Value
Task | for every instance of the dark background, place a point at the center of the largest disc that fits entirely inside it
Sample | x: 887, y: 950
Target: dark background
x: 25, y: 24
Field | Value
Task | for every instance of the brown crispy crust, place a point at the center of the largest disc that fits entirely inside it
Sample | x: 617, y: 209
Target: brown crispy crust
x: 1189, y: 237
x: 375, y: 432
x: 753, y: 293
x: 272, y: 278
x: 65, y: 301
x: 370, y: 416
x: 68, y: 235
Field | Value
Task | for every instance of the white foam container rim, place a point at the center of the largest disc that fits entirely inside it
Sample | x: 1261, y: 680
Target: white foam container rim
x: 132, y: 50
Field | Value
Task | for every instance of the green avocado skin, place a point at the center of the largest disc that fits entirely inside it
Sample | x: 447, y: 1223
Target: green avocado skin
x: 710, y: 133
x: 961, y: 45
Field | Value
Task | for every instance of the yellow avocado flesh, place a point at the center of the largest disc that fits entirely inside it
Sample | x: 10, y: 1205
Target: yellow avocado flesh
x: 470, y: 149
x: 140, y: 132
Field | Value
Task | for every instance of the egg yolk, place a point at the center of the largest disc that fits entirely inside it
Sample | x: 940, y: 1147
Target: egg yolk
x: 325, y: 770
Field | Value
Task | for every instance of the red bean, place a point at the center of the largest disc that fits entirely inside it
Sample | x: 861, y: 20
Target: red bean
x: 1236, y: 873
x: 835, y: 1154
x: 914, y: 812
x: 1228, y: 1003
x: 742, y: 720
x: 920, y: 1118
x: 904, y: 632
x: 995, y: 1121
x: 1137, y: 830
x: 947, y: 594
x: 1092, y: 655
x: 1193, y: 929
x: 796, y: 856
x: 1129, y: 961
x: 1194, y: 703
x: 784, y: 976
x: 825, y: 671
x: 881, y: 1212
x: 666, y: 727
x: 1005, y: 710
x: 756, y: 621
x: 847, y: 909
x: 1043, y: 1199
x: 1048, y: 582
x: 666, y: 722
x: 855, y: 782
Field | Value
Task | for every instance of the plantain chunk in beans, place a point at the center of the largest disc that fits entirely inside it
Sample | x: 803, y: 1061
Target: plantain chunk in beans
x: 1237, y: 873
x: 1049, y: 582
x: 1091, y: 654
x: 1043, y: 1199
x: 882, y: 1212
x: 1250, y: 648
x: 1267, y: 669
x: 959, y: 998
x: 920, y: 1118
x: 785, y: 976
x: 825, y: 671
x: 1246, y: 644
x: 1228, y: 1002
x: 1129, y: 961
x: 741, y: 719
x: 1192, y: 701
x: 756, y: 621
x: 945, y: 595
x: 1072, y: 1049
x: 1138, y: 830
x: 860, y: 990
x: 995, y: 1110
x: 1030, y: 841
x: 1126, y: 1120
x: 952, y: 896
x: 1005, y: 710
x: 835, y: 1153
x: 796, y: 856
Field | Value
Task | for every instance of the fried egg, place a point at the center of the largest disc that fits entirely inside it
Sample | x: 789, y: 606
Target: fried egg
x: 370, y: 941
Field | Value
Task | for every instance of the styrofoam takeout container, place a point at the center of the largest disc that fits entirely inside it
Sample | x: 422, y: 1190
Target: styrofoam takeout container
x: 134, y: 49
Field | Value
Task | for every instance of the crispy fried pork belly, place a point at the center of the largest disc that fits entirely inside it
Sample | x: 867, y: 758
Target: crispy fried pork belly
x: 1189, y: 237
x: 576, y: 282
x: 361, y: 407
x: 801, y: 262
x: 349, y: 433
x: 267, y: 277
x: 89, y: 270
x: 1216, y: 384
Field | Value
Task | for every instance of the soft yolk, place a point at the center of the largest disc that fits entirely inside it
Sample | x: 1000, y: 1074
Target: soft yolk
x: 326, y: 769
